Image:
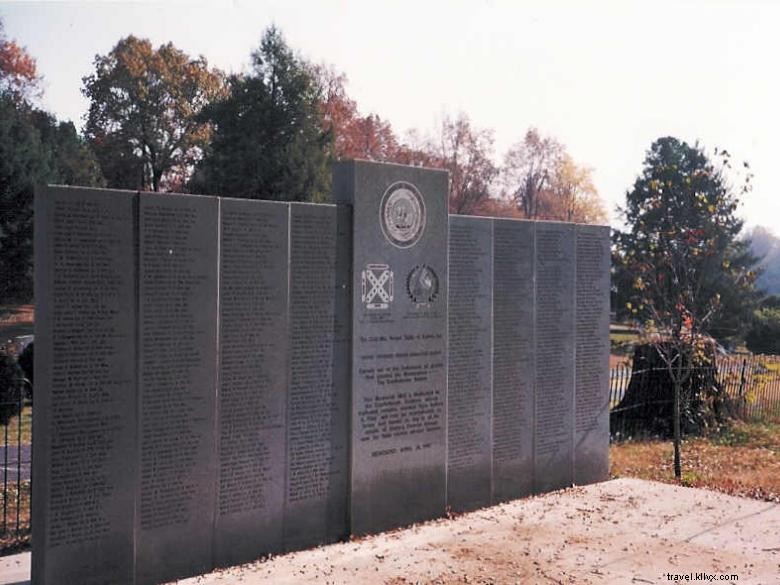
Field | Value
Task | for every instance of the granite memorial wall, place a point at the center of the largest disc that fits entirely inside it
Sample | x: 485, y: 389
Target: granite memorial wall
x: 194, y: 402
x: 527, y: 402
x: 220, y: 379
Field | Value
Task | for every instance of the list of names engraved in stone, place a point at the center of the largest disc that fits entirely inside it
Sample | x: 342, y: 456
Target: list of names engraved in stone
x: 513, y: 338
x: 553, y: 336
x: 92, y: 368
x: 554, y: 391
x: 253, y: 309
x: 311, y: 402
x: 177, y: 374
x: 592, y: 319
x: 470, y: 350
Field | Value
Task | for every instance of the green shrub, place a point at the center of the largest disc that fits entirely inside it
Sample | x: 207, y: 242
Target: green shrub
x: 10, y: 388
x: 26, y: 364
x: 764, y: 334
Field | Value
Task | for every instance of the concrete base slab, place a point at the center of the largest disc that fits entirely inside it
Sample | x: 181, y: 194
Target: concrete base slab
x: 15, y: 569
x: 620, y: 531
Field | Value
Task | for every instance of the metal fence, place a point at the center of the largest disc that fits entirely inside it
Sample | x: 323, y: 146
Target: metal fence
x: 15, y: 473
x: 748, y: 387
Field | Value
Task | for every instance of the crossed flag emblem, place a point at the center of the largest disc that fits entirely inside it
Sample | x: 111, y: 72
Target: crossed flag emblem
x: 377, y: 286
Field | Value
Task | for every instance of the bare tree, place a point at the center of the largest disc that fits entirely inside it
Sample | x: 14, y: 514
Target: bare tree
x: 466, y: 152
x: 529, y: 167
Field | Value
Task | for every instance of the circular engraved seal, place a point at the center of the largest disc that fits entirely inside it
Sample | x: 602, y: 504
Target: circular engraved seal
x: 402, y: 214
x: 422, y: 284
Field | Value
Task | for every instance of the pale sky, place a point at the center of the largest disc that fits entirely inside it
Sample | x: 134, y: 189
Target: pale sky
x: 604, y: 78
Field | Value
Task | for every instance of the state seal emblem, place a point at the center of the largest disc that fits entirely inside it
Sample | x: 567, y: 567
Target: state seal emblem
x: 402, y: 214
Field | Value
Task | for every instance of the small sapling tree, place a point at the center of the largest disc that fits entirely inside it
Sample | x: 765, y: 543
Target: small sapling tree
x: 685, y: 275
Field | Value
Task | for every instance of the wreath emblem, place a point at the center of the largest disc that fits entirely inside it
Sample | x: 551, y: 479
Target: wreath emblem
x: 422, y: 285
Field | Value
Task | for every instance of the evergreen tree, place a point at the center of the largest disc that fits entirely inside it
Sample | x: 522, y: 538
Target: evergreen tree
x: 764, y: 334
x: 24, y: 162
x: 73, y: 160
x: 683, y: 272
x: 34, y: 150
x: 268, y: 140
x: 680, y: 261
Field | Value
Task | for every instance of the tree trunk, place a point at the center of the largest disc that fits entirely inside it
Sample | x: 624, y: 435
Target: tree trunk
x: 647, y: 407
x: 156, y: 177
x: 677, y: 465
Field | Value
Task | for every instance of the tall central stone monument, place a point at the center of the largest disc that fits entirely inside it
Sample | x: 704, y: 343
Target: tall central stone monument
x: 399, y: 350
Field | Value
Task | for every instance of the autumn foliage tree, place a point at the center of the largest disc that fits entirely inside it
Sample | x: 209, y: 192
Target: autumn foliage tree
x: 19, y: 79
x: 467, y: 153
x: 544, y: 182
x: 143, y: 119
x: 682, y: 270
x: 418, y: 151
x: 572, y: 196
x: 460, y: 148
x: 463, y: 150
x: 353, y: 135
x: 541, y: 180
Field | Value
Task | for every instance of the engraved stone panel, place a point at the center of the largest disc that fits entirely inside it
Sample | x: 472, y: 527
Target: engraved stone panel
x: 469, y: 399
x: 85, y: 386
x: 177, y: 385
x: 399, y: 342
x: 513, y: 359
x: 316, y: 496
x: 591, y: 424
x: 554, y: 392
x: 252, y: 379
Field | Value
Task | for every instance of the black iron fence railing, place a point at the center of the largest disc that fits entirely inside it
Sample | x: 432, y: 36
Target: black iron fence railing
x: 15, y: 472
x: 746, y: 387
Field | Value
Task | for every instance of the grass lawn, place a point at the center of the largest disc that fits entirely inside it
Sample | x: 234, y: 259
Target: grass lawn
x: 622, y: 341
x: 623, y: 337
x: 743, y: 460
